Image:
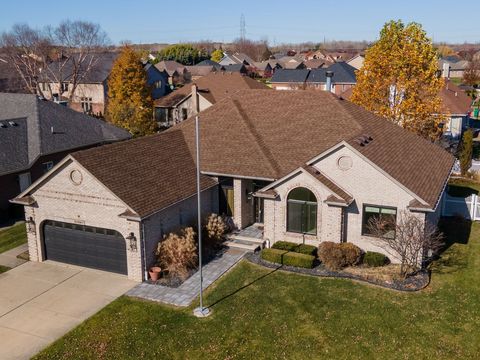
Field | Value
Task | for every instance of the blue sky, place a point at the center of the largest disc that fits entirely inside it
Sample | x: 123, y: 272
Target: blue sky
x: 146, y: 21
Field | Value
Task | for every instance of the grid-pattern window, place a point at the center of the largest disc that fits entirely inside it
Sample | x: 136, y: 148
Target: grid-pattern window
x: 47, y: 166
x: 372, y: 213
x: 302, y: 211
x: 86, y: 103
x: 64, y: 86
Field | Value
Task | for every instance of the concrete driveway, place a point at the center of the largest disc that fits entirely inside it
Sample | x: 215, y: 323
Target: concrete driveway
x: 40, y: 302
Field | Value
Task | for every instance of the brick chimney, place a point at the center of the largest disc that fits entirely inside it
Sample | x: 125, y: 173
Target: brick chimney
x: 195, y: 100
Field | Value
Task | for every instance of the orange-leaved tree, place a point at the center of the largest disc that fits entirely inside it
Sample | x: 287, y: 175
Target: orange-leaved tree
x: 130, y: 104
x: 400, y: 80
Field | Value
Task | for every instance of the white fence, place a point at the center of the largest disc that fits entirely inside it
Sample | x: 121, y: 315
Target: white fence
x: 468, y: 207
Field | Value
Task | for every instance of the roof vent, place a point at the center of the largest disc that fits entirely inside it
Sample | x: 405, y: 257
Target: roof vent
x: 3, y: 125
x: 13, y: 123
x: 363, y: 140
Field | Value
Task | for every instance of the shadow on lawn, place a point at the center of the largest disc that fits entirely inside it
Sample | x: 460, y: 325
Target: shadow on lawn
x: 243, y: 287
x: 456, y: 230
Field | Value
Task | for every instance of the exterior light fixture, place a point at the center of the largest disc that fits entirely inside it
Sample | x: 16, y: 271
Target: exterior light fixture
x: 30, y: 224
x: 133, y: 241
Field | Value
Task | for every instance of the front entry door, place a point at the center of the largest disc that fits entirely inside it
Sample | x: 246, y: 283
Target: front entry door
x: 258, y: 210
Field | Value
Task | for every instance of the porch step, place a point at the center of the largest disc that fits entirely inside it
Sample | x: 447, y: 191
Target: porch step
x: 245, y: 238
x: 241, y: 243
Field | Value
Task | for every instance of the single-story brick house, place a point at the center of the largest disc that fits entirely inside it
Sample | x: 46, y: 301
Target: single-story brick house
x: 308, y: 165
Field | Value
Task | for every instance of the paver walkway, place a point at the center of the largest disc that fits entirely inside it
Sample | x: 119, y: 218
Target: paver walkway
x: 9, y: 258
x: 190, y: 289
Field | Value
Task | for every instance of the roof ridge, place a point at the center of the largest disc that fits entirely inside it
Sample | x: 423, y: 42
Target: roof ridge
x: 257, y: 137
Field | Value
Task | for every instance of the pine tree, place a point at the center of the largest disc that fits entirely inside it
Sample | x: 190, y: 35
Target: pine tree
x: 130, y: 104
x: 466, y: 152
x: 399, y: 79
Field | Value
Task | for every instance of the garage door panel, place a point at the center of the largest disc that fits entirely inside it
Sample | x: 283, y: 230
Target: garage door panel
x: 71, y: 244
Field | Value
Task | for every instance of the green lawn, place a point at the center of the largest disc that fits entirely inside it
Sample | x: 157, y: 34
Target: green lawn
x: 265, y: 314
x: 12, y: 237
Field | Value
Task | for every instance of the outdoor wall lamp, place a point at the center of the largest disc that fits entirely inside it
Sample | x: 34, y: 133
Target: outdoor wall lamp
x: 30, y: 224
x: 133, y: 241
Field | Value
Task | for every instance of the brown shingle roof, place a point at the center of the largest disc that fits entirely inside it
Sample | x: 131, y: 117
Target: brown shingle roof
x: 214, y: 87
x: 269, y: 134
x: 454, y: 99
x: 148, y: 173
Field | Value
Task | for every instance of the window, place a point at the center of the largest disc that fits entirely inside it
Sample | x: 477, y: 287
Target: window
x: 64, y: 86
x: 157, y: 84
x: 302, y: 211
x: 24, y: 181
x: 47, y: 166
x: 86, y: 103
x: 184, y: 113
x: 377, y: 212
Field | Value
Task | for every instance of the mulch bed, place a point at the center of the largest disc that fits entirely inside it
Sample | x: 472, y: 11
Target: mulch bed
x: 415, y: 282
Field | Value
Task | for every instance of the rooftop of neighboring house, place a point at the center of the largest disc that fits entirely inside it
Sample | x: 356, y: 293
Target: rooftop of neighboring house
x: 455, y: 100
x: 234, y: 68
x: 198, y: 70
x: 317, y: 63
x: 170, y: 66
x: 30, y: 128
x: 290, y: 76
x: 213, y: 87
x: 209, y: 62
x: 291, y: 62
x: 343, y: 73
x: 239, y: 58
x: 62, y: 70
x: 264, y: 134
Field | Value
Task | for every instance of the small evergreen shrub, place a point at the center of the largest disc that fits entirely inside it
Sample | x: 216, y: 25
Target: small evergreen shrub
x: 306, y: 249
x: 374, y: 259
x: 273, y: 255
x: 298, y: 260
x: 285, y: 245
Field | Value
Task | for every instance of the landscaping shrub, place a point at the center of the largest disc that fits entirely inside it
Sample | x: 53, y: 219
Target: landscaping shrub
x: 336, y: 256
x: 331, y: 255
x: 177, y: 253
x: 374, y: 259
x: 273, y: 255
x: 352, y: 253
x: 285, y: 245
x: 306, y: 249
x: 215, y: 229
x: 299, y: 260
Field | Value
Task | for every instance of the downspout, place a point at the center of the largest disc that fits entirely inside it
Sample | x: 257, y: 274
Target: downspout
x: 145, y: 272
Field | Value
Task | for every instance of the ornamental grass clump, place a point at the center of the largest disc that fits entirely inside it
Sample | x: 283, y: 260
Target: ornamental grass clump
x: 177, y: 253
x: 215, y: 229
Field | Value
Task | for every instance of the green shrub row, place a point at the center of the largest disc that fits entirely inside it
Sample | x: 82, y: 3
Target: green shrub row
x: 298, y: 248
x: 288, y: 258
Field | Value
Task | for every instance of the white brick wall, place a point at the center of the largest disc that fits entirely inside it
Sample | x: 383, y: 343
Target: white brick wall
x: 243, y: 207
x: 90, y: 203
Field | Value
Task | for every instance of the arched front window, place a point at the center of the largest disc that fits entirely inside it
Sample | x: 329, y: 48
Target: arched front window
x: 302, y: 211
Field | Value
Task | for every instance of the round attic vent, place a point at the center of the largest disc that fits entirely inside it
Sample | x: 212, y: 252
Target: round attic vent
x: 76, y: 177
x: 344, y: 162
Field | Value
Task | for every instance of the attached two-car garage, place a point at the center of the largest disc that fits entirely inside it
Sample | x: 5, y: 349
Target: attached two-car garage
x: 87, y: 246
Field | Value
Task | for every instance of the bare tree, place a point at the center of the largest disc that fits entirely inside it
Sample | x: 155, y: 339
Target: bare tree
x: 27, y: 50
x: 78, y: 45
x: 410, y: 238
x: 471, y: 75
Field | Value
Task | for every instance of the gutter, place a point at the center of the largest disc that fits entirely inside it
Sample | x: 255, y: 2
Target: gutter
x: 237, y: 176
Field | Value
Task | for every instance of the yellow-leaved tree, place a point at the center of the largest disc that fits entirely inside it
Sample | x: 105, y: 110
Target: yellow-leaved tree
x: 130, y: 103
x: 400, y: 81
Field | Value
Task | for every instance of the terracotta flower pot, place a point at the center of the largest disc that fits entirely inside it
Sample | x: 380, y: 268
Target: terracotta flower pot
x: 154, y: 273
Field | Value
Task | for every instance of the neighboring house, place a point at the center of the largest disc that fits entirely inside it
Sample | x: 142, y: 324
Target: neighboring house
x: 343, y: 78
x: 290, y: 62
x: 452, y: 67
x: 357, y: 61
x: 457, y: 106
x: 288, y: 79
x: 196, y: 72
x: 317, y: 63
x: 10, y: 81
x: 263, y: 69
x: 35, y: 134
x: 177, y: 72
x: 91, y: 92
x: 235, y: 58
x: 237, y: 68
x: 305, y: 166
x: 209, y: 62
x: 206, y: 91
x: 157, y: 80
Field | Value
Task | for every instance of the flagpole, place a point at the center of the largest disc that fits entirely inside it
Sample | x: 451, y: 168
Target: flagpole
x: 200, y: 311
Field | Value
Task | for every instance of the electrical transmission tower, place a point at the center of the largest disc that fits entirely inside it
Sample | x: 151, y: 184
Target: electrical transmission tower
x: 242, y: 27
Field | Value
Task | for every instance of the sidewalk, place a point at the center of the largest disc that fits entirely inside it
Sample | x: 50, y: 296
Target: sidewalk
x: 9, y: 258
x: 190, y: 289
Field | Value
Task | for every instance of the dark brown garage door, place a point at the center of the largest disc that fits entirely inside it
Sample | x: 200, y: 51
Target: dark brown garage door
x: 87, y: 246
